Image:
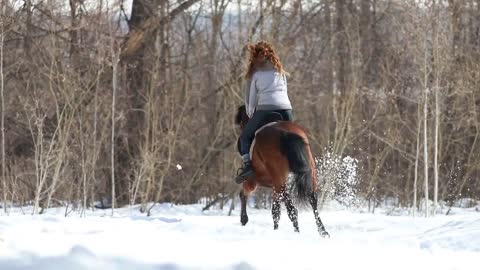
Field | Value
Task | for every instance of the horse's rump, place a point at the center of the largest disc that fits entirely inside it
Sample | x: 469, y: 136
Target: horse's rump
x: 285, y: 150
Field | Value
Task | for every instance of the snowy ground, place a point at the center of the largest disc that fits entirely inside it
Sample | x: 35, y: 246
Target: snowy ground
x: 182, y: 237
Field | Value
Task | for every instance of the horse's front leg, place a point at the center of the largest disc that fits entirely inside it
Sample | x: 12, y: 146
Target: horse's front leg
x: 313, y: 202
x: 243, y: 213
x: 292, y: 211
x: 276, y: 210
x: 248, y: 187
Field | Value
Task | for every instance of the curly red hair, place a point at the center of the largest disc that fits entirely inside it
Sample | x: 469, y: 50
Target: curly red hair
x: 262, y: 51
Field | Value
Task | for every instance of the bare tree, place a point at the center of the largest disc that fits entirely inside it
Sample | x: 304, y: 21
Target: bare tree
x: 115, y: 61
x: 417, y: 157
x: 425, y: 128
x: 375, y: 80
x: 3, y: 27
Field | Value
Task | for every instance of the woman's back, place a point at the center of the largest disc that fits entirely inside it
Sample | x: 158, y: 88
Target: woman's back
x: 271, y: 89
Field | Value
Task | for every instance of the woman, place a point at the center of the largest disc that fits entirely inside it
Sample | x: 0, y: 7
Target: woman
x: 266, y: 92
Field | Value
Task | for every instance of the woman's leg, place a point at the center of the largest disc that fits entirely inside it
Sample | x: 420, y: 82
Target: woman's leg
x: 248, y: 133
x: 246, y: 138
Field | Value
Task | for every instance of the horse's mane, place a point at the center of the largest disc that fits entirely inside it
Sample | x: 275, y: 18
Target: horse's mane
x: 240, y: 113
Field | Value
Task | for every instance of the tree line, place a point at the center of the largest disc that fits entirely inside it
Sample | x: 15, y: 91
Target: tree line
x: 135, y: 100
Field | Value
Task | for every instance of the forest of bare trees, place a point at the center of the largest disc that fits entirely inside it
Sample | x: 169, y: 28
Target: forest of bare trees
x: 135, y: 100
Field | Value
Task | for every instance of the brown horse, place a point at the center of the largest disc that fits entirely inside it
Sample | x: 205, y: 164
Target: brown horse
x: 279, y: 149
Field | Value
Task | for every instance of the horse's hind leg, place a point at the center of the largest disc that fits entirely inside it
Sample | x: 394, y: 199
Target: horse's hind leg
x: 276, y: 209
x: 291, y: 210
x: 313, y: 202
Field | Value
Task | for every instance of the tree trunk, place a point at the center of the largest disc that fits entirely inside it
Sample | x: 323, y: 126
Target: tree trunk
x: 417, y: 156
x: 27, y: 40
x: 144, y: 26
x: 341, y: 45
x: 365, y: 37
x: 425, y: 135
x: 115, y: 60
x: 2, y: 96
x: 74, y: 32
x: 436, y: 74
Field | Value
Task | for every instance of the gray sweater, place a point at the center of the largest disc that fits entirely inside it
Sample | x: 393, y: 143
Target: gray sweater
x: 267, y: 90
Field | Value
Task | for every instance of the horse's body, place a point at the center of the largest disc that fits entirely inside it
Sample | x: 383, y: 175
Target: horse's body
x: 280, y: 149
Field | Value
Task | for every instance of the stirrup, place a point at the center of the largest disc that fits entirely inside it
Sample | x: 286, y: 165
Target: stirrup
x: 243, y: 173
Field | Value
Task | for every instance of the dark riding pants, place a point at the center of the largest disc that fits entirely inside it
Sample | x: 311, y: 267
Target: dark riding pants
x: 258, y: 119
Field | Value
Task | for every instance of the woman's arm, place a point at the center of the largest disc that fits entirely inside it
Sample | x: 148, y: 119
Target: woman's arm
x: 247, y: 93
x: 252, y: 98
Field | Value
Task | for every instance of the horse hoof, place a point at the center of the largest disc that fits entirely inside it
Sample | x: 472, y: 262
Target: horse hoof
x: 324, y: 234
x: 244, y: 220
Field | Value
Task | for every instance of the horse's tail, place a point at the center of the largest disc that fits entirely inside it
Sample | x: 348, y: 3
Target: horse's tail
x: 294, y: 148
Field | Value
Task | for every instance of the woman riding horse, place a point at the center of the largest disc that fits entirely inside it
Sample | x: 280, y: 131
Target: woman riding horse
x: 281, y: 149
x: 266, y: 93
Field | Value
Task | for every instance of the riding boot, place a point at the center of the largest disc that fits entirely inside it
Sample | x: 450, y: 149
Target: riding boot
x: 246, y: 171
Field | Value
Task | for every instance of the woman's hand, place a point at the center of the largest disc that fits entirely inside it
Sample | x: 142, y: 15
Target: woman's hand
x: 250, y: 112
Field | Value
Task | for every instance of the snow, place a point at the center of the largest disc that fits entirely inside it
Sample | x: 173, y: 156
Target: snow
x: 184, y: 237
